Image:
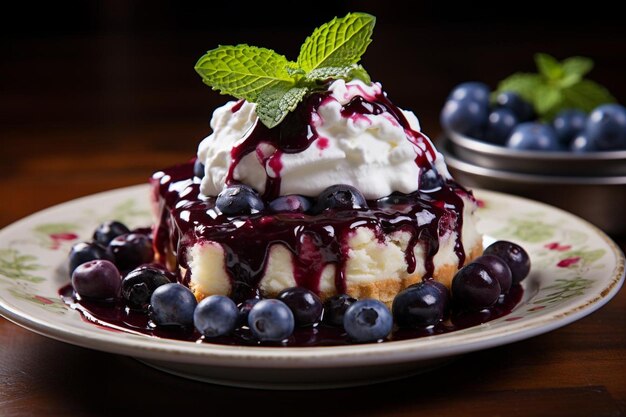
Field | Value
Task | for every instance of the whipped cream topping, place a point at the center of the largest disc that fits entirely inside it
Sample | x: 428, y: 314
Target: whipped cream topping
x: 369, y: 149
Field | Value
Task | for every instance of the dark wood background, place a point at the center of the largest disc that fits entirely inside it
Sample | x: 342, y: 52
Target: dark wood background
x: 96, y: 95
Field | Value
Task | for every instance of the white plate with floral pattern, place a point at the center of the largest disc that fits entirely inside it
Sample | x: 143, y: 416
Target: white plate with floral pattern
x: 576, y: 269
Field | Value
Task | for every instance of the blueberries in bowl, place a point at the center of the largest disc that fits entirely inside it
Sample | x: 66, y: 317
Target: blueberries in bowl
x: 500, y: 124
x: 471, y: 90
x: 520, y: 108
x: 568, y: 124
x: 533, y: 136
x: 466, y: 116
x: 606, y: 127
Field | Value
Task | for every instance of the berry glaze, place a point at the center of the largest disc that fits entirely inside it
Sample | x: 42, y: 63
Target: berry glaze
x: 186, y: 217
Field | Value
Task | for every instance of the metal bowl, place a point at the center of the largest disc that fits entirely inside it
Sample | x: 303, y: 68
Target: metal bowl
x: 592, y: 164
x: 598, y: 199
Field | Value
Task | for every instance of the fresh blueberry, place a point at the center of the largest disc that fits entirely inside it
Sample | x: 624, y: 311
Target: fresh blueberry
x: 215, y: 316
x: 198, y: 169
x: 239, y: 199
x: 468, y: 117
x: 107, y: 231
x: 473, y: 287
x: 244, y: 311
x: 172, y: 304
x: 340, y: 197
x: 335, y: 308
x: 139, y: 284
x: 582, y: 144
x: 430, y: 181
x: 271, y: 320
x: 420, y: 305
x: 290, y: 203
x: 367, y: 321
x: 522, y: 109
x: 131, y: 250
x: 514, y: 256
x: 533, y: 136
x: 568, y: 124
x: 474, y: 91
x: 97, y: 279
x: 498, y: 269
x: 499, y: 126
x: 306, y: 306
x: 606, y: 127
x: 84, y: 252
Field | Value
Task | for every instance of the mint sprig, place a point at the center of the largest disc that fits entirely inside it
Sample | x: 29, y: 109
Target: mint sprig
x: 277, y: 85
x: 558, y: 86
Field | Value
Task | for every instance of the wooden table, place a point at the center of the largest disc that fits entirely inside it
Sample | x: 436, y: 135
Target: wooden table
x: 101, y: 117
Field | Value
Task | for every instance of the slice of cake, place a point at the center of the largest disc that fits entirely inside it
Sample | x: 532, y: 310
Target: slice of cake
x: 344, y: 195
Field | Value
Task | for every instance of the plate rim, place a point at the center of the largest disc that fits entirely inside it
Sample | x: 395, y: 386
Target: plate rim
x: 322, y: 356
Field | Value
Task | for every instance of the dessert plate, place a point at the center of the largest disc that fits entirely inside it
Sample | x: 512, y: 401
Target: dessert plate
x: 576, y: 269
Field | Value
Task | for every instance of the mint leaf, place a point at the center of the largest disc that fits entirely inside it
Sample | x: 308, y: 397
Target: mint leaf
x: 524, y: 84
x: 276, y: 102
x: 548, y: 66
x: 586, y: 95
x: 243, y: 71
x: 577, y: 65
x: 546, y: 101
x: 346, y: 73
x: 338, y: 43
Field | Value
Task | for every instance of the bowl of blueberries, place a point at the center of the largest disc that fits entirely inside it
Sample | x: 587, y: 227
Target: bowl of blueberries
x: 552, y: 136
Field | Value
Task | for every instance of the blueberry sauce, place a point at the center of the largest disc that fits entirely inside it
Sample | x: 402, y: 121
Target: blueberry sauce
x: 115, y: 316
x: 314, y: 240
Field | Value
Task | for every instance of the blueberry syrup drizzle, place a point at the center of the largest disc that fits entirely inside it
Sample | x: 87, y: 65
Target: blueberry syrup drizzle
x: 115, y: 316
x: 314, y: 240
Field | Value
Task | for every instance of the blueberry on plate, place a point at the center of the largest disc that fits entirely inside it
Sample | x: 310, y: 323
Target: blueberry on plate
x: 500, y: 124
x: 107, y: 231
x: 368, y: 321
x: 97, y: 279
x: 215, y: 316
x: 522, y: 109
x: 84, y: 252
x: 172, y: 304
x: 292, y: 203
x: 472, y: 90
x: 306, y: 306
x: 139, y: 284
x: 497, y: 269
x: 340, y: 197
x: 239, y: 199
x: 130, y: 250
x: 335, y: 309
x: 514, y: 256
x: 533, y: 136
x: 419, y: 305
x: 568, y: 124
x: 473, y: 288
x: 467, y: 116
x: 271, y: 320
x: 606, y: 127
